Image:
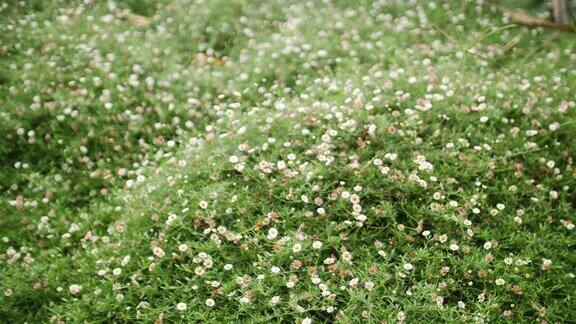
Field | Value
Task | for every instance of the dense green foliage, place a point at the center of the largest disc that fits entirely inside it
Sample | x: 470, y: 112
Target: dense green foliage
x: 284, y: 161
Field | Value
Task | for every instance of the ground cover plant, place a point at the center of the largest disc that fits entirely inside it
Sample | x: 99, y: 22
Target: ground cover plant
x: 300, y: 161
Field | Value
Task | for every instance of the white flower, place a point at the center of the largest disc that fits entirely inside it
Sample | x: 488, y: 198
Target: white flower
x: 158, y: 251
x: 353, y: 282
x: 554, y: 126
x: 354, y: 198
x: 307, y: 321
x: 275, y: 270
x: 117, y: 271
x: 554, y: 194
x: 181, y: 307
x: 499, y: 282
x: 546, y: 264
x: 210, y: 302
x: 297, y: 248
x: 75, y: 289
x: 408, y: 266
x: 244, y: 300
x: 125, y: 260
x: 275, y: 300
x: 317, y: 245
x: 369, y: 285
x: 346, y: 256
x: 329, y: 260
x: 199, y: 271
x: 171, y: 219
x: 182, y: 247
x: 272, y: 233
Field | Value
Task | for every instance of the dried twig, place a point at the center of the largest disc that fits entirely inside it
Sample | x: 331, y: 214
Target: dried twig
x: 529, y: 20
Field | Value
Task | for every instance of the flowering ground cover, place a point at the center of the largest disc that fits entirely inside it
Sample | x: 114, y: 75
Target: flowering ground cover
x: 284, y: 161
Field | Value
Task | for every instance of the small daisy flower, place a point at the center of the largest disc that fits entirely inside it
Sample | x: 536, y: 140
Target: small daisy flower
x: 546, y: 264
x: 75, y: 289
x: 181, y: 306
x: 296, y: 248
x: 275, y: 300
x: 272, y: 233
x: 233, y: 159
x: 317, y: 245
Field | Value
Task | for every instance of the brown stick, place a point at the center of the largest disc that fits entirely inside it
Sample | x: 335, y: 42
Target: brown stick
x: 528, y: 20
